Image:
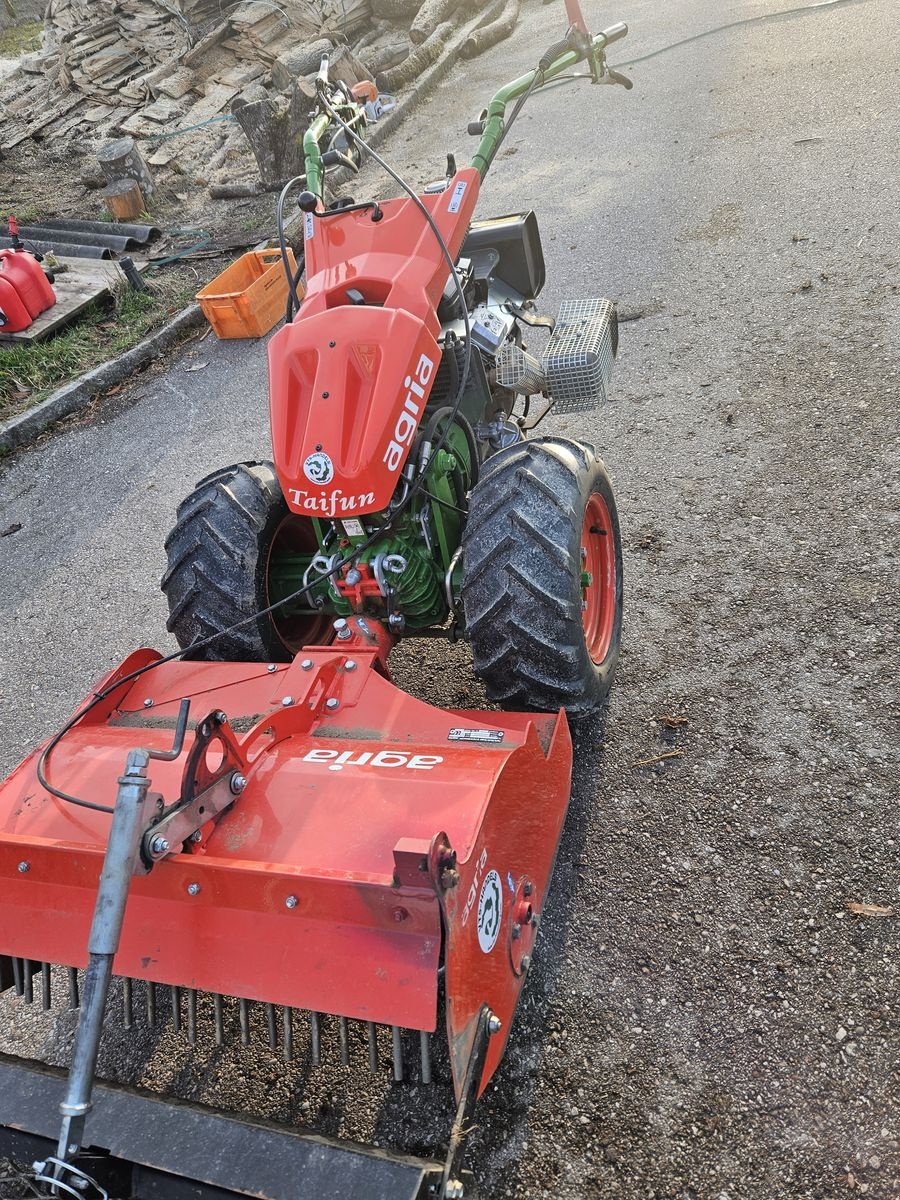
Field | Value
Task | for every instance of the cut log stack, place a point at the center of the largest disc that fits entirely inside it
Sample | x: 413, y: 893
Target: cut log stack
x: 167, y: 73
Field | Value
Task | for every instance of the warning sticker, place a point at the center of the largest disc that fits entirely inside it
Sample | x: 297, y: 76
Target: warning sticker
x: 490, y: 910
x: 308, y: 226
x: 456, y: 196
x: 353, y: 528
x: 474, y: 735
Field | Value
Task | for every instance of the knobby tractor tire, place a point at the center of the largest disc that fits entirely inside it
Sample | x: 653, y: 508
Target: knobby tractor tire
x: 542, y: 577
x: 220, y: 553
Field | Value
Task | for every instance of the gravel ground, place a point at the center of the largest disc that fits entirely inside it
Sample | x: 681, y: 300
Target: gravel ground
x: 708, y: 1017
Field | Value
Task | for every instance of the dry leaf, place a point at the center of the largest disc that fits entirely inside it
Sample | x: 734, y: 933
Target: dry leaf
x: 200, y: 366
x: 869, y: 910
x: 670, y: 722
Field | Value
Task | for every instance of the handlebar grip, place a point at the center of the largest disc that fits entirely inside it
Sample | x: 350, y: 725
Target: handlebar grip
x: 334, y: 158
x: 615, y: 33
x: 475, y: 128
x: 549, y: 57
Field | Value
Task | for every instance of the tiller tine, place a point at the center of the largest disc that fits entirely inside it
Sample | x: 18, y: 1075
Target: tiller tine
x: 315, y: 839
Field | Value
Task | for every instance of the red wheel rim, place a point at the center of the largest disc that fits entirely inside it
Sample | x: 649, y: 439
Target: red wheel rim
x: 598, y: 578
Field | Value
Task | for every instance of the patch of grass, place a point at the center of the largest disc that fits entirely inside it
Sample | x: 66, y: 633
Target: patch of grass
x: 18, y: 38
x: 29, y: 372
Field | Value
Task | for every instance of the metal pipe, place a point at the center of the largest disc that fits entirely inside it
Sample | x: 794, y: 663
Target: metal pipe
x: 103, y: 941
x: 74, y: 998
x: 397, y: 1054
x: 219, y: 1016
x: 425, y: 1049
x: 61, y: 248
x: 373, y: 1047
x: 175, y: 993
x: 45, y: 986
x: 272, y: 1026
x: 287, y: 1015
x: 244, y: 1013
x: 315, y: 1039
x: 344, y: 1037
x: 151, y: 1003
x: 127, y: 1003
x: 192, y: 1015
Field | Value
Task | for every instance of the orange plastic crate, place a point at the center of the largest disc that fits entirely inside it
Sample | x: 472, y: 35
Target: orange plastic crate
x: 249, y: 297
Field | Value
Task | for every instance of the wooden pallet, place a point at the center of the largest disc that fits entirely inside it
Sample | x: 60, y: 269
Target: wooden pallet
x: 86, y: 280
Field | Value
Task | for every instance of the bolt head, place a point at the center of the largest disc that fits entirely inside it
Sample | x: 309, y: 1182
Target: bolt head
x: 350, y: 664
x: 307, y: 664
x: 193, y: 889
x: 354, y: 575
x: 196, y: 836
x: 494, y: 1024
x: 291, y: 902
x: 287, y: 701
x: 24, y: 867
x: 516, y: 931
x: 332, y: 703
x: 237, y: 783
x: 271, y: 668
x: 159, y: 845
x: 148, y: 703
x: 526, y: 961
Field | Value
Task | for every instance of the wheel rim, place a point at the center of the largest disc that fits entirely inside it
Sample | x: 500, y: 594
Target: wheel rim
x: 598, y: 578
x: 294, y: 537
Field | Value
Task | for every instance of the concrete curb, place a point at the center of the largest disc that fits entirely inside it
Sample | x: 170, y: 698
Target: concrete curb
x: 25, y: 428
x: 72, y: 397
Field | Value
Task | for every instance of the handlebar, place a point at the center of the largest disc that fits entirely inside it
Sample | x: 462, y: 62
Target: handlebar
x: 576, y: 47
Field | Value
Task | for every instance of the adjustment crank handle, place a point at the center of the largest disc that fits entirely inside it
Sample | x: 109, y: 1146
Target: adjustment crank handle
x: 180, y: 731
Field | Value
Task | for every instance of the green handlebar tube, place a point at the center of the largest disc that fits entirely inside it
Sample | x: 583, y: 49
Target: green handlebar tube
x: 494, y: 123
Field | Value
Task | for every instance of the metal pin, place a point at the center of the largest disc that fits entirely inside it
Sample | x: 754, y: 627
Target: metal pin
x: 28, y: 981
x: 192, y: 1015
x: 344, y: 1035
x: 18, y: 976
x: 244, y: 1009
x: 151, y: 1003
x: 272, y: 1026
x: 287, y: 1019
x: 74, y: 998
x: 425, y: 1047
x: 398, y: 1054
x: 127, y: 1003
x: 218, y: 1012
x: 45, y: 986
x: 315, y: 1039
x: 176, y: 1008
x: 373, y: 1047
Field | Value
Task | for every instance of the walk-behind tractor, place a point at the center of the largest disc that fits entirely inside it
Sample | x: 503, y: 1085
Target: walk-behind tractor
x: 262, y: 822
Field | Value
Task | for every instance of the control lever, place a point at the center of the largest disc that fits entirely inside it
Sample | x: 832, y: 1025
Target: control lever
x: 611, y: 76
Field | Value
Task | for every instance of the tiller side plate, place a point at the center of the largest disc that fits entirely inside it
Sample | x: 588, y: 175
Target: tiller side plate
x: 323, y: 841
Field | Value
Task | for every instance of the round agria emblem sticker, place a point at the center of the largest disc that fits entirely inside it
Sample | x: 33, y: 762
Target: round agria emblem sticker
x: 490, y: 909
x: 319, y: 468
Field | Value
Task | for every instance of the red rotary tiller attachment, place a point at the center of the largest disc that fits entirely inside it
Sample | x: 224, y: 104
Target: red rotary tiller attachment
x: 315, y: 840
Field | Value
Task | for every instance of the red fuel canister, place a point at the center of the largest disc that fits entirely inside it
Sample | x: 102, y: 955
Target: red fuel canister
x: 25, y: 291
x: 14, y: 316
x: 23, y: 271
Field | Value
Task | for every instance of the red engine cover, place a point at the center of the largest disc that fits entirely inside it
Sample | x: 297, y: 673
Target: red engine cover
x: 347, y: 396
x: 350, y: 377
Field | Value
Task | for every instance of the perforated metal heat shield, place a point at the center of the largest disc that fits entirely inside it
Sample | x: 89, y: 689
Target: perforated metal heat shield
x: 579, y: 357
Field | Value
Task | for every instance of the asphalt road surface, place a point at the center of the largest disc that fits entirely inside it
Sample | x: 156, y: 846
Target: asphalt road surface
x: 708, y: 1017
